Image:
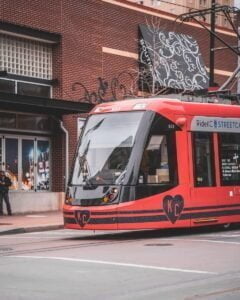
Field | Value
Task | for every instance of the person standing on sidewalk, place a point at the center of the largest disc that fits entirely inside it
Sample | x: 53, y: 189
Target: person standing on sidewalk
x: 5, y: 183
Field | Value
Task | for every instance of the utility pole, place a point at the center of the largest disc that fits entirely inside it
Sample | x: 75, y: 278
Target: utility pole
x: 226, y: 11
x: 212, y: 45
x: 238, y: 28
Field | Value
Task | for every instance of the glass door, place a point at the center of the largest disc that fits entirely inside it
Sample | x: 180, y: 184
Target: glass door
x: 42, y: 165
x: 26, y: 162
x: 12, y: 161
x: 27, y: 174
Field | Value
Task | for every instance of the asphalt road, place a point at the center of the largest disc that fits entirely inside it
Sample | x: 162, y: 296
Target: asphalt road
x: 64, y: 264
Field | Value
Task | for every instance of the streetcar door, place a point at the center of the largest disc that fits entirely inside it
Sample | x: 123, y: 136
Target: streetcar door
x: 203, y: 187
x: 229, y: 165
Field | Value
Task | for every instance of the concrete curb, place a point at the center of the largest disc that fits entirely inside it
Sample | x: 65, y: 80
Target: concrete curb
x: 30, y: 229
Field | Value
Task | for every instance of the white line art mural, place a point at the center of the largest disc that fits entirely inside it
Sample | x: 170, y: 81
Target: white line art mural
x: 171, y: 60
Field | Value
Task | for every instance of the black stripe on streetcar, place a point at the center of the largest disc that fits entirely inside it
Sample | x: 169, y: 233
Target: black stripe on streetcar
x: 156, y: 218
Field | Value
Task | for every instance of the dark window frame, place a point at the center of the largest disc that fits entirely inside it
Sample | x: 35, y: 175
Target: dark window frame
x: 227, y: 182
x: 164, y: 127
x: 7, y: 86
x: 27, y: 88
x: 33, y: 89
x: 40, y: 123
x: 209, y: 178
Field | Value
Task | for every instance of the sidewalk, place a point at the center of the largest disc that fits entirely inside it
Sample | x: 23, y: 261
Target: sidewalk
x: 31, y: 222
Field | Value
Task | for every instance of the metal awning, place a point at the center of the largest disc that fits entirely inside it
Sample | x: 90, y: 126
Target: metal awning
x: 39, y: 105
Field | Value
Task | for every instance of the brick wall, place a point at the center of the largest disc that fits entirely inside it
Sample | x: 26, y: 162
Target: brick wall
x: 86, y: 26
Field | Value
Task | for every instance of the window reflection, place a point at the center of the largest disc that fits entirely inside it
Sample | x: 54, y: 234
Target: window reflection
x: 26, y: 122
x: 105, y: 148
x: 27, y: 165
x: 7, y: 86
x: 26, y: 162
x: 7, y: 120
x: 154, y: 166
x: 43, y: 165
x: 30, y: 89
x: 12, y: 161
x: 158, y: 165
x: 40, y: 123
x: 203, y: 159
x: 230, y: 158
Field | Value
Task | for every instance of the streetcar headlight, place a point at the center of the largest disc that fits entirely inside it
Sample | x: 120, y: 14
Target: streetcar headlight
x: 111, y: 195
x: 68, y: 198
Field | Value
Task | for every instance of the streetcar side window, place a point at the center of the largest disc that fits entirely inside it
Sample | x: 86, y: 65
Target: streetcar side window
x: 229, y: 148
x: 204, y: 172
x: 156, y: 168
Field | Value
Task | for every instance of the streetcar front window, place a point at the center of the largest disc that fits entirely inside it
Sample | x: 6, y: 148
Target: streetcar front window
x: 105, y: 148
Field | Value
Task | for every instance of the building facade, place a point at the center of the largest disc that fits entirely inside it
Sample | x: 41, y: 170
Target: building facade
x: 178, y: 7
x: 57, y: 60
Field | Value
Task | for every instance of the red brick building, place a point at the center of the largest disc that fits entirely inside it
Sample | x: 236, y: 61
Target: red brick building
x: 76, y: 52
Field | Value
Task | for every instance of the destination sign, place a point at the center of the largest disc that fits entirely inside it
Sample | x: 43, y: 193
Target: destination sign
x: 215, y: 124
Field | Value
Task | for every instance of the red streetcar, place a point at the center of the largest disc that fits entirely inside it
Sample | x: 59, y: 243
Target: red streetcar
x: 156, y: 163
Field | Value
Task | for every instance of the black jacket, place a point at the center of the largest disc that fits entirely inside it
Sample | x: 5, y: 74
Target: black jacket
x: 5, y: 183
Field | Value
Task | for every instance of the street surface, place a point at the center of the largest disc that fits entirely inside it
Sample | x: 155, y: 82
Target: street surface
x: 65, y: 264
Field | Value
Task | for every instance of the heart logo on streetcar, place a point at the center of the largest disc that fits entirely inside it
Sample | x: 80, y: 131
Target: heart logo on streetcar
x: 173, y: 207
x: 82, y: 217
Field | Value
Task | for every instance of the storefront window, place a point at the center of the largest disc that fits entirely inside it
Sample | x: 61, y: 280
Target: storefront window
x: 26, y: 122
x: 26, y: 162
x: 7, y: 86
x: 43, y: 165
x: 31, y: 89
x: 39, y: 123
x: 27, y: 165
x: 12, y: 161
x: 7, y: 120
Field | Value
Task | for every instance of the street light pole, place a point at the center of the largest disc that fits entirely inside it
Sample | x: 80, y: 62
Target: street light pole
x: 212, y: 45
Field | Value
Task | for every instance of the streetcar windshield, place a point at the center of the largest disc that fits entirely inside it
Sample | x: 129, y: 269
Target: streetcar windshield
x: 105, y: 148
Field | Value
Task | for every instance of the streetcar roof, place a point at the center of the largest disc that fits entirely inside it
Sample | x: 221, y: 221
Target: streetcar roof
x: 170, y: 106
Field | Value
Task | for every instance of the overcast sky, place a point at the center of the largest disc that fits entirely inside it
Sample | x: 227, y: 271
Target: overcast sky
x: 237, y: 3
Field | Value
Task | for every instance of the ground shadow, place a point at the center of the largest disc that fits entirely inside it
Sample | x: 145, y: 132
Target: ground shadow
x: 151, y: 233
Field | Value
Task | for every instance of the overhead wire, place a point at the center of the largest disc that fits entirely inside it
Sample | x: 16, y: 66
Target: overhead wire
x: 188, y: 7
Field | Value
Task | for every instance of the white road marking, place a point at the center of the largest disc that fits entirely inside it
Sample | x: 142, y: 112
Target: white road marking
x: 35, y: 216
x: 201, y: 240
x: 116, y: 264
x: 217, y: 242
x: 26, y: 237
x: 226, y: 235
x: 32, y: 235
x: 60, y: 233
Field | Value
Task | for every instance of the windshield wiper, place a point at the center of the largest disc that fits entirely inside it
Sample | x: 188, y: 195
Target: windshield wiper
x: 85, y: 170
x: 121, y: 177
